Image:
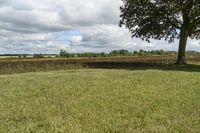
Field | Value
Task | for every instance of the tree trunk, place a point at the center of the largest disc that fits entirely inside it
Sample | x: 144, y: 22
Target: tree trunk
x: 182, y: 47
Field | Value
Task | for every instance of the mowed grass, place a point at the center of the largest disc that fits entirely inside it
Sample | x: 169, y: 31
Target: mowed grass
x: 100, y: 100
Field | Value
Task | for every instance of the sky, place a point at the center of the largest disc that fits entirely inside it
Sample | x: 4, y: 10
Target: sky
x: 47, y: 26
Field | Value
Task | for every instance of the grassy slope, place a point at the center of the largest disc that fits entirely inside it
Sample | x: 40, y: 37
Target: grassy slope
x: 100, y: 101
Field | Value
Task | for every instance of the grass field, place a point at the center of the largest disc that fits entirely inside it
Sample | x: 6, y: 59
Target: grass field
x: 101, y: 100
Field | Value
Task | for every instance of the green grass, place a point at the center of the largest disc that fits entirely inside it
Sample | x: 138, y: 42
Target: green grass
x: 100, y: 100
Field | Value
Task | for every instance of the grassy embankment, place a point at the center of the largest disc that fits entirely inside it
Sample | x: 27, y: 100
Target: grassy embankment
x: 156, y: 99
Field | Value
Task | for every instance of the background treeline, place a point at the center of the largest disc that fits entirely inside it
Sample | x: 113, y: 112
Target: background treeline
x: 114, y: 53
x: 28, y: 55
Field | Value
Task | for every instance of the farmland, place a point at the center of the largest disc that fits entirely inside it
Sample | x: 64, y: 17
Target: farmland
x: 16, y: 65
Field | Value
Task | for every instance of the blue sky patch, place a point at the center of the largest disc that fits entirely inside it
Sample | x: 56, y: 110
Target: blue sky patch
x: 66, y: 36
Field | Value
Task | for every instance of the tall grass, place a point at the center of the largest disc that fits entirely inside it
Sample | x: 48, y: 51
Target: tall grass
x: 33, y: 65
x: 8, y: 66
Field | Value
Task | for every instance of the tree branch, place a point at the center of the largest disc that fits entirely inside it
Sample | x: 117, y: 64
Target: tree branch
x: 173, y: 24
x: 197, y: 31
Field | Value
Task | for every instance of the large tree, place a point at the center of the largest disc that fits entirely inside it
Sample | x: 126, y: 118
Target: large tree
x: 168, y: 19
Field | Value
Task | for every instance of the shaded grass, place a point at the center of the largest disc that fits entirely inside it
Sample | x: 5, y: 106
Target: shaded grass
x: 100, y: 100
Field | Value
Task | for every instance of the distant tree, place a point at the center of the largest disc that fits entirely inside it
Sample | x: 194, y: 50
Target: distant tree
x: 38, y: 56
x: 141, y: 52
x: 123, y: 52
x: 24, y: 55
x: 120, y: 52
x: 103, y: 54
x: 114, y: 53
x: 64, y: 54
x: 168, y: 19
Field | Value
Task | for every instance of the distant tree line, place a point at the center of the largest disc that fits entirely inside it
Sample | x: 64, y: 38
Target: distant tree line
x: 122, y: 52
x: 114, y: 53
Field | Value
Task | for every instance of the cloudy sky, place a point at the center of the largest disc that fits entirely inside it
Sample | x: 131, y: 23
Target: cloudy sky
x: 46, y: 26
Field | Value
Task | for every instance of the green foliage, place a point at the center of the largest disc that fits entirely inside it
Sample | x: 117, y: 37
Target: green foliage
x: 64, y: 53
x: 161, y: 18
x: 113, y: 53
x: 38, y: 56
x: 24, y: 55
x: 121, y: 52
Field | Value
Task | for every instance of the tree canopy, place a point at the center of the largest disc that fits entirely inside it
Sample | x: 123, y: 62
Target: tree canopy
x: 157, y: 19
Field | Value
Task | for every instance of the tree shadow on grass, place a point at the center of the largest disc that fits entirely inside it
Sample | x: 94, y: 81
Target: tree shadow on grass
x: 146, y: 66
x: 171, y: 67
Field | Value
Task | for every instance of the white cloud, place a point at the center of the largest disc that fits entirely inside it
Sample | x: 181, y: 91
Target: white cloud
x: 76, y: 40
x: 46, y: 26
